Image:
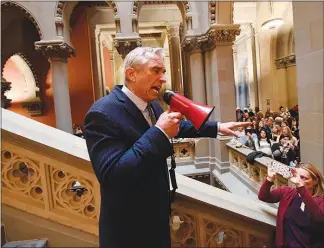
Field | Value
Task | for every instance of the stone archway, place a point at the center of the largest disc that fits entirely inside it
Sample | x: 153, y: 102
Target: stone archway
x: 7, y: 4
x: 184, y: 7
x: 25, y: 85
x: 63, y: 11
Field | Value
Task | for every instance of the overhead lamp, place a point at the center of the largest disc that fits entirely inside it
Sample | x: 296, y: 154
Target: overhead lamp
x: 272, y: 22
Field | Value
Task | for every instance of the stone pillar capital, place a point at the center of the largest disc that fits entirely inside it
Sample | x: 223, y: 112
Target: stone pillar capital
x: 173, y: 30
x: 126, y: 44
x: 216, y: 35
x: 57, y: 49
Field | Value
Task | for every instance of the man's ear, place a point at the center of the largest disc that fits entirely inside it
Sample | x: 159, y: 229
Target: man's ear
x: 130, y: 74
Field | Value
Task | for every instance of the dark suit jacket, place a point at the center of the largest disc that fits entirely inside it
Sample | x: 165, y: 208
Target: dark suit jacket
x: 129, y: 159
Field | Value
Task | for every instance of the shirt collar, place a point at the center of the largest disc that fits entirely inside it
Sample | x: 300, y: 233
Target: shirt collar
x: 135, y: 99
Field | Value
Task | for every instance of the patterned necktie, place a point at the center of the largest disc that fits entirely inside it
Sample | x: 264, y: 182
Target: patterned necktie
x: 151, y: 114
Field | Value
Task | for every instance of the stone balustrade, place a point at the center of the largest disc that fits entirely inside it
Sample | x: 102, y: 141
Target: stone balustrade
x: 252, y: 175
x: 41, y: 164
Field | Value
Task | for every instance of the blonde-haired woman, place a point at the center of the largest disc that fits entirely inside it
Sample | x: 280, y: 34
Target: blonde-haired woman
x: 300, y: 217
x: 286, y: 132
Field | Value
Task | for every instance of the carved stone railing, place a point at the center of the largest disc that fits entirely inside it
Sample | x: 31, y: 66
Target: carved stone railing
x: 184, y: 149
x: 41, y: 164
x: 252, y: 175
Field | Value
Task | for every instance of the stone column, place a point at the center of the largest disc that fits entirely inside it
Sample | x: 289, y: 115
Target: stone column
x: 308, y: 24
x: 175, y: 57
x: 214, y: 48
x: 58, y: 53
x: 195, y: 84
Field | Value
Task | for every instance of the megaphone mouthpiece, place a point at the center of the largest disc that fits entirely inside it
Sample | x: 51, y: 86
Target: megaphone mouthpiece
x: 168, y: 94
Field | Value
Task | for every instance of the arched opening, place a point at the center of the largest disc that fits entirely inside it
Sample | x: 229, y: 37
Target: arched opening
x: 24, y: 86
x: 155, y: 31
x: 22, y: 66
x: 90, y: 72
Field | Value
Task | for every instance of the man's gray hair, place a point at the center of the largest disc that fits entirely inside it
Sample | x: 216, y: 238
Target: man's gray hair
x: 141, y: 55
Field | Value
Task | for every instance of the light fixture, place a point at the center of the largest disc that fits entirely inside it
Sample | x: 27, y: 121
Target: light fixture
x: 272, y: 22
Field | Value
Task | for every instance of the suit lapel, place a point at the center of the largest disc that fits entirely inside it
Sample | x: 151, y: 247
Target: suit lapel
x: 132, y: 109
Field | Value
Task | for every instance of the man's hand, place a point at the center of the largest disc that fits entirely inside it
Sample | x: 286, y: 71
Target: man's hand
x: 226, y: 128
x: 169, y: 122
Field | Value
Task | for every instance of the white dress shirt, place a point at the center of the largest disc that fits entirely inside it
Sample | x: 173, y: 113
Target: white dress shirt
x: 141, y: 105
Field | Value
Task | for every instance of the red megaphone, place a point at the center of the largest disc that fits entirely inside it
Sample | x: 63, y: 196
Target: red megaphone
x: 197, y: 113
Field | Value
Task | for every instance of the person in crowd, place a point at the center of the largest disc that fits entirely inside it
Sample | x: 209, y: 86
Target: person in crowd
x: 294, y: 112
x: 300, y: 217
x: 266, y: 126
x: 284, y: 124
x: 283, y: 113
x: 293, y: 125
x: 239, y: 114
x: 246, y: 117
x: 260, y: 126
x: 263, y: 143
x: 270, y: 122
x: 251, y: 137
x: 128, y: 139
x: 286, y: 132
x: 259, y: 115
x: 276, y: 133
x: 284, y: 151
x: 268, y: 113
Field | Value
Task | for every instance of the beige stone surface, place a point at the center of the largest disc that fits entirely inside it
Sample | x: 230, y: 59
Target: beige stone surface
x: 308, y: 21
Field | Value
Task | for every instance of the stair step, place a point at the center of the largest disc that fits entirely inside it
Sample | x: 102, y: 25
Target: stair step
x: 37, y: 243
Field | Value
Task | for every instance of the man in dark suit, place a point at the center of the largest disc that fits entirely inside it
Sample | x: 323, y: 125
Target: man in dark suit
x: 128, y: 138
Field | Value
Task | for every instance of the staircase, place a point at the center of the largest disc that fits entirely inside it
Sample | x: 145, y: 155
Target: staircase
x: 40, y: 163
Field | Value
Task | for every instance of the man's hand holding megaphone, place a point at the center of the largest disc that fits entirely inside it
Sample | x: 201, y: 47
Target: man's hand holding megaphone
x: 197, y: 113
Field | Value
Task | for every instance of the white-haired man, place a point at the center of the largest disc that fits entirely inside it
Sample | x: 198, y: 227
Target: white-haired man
x: 127, y: 135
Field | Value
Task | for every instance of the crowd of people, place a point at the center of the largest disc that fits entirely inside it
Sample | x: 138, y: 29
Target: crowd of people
x: 275, y: 134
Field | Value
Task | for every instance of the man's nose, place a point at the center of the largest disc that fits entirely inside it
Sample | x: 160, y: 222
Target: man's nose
x: 163, y: 79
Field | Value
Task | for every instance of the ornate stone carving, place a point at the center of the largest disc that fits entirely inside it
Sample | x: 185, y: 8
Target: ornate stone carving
x: 218, y: 235
x: 212, y: 12
x: 35, y: 108
x: 55, y: 49
x: 285, y: 62
x: 5, y: 86
x: 21, y: 175
x: 255, y: 241
x: 184, y: 148
x: 26, y: 59
x: 65, y: 199
x: 183, y: 229
x: 187, y: 6
x: 173, y: 31
x: 216, y: 35
x: 124, y: 46
x: 59, y: 24
x: 59, y: 8
x: 6, y: 4
x: 61, y: 4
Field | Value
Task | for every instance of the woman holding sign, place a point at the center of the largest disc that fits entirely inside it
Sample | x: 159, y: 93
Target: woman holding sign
x: 300, y: 218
